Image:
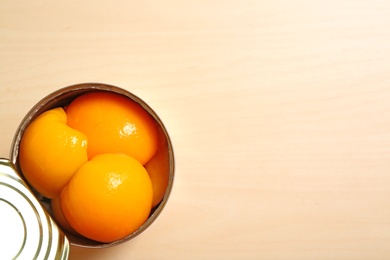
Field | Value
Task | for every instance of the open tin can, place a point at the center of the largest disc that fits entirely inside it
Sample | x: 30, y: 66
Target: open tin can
x: 33, y: 233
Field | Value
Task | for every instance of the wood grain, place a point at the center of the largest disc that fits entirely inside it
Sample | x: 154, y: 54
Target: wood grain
x: 278, y: 111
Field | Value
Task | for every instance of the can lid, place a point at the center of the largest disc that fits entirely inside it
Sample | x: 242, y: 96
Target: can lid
x: 26, y: 230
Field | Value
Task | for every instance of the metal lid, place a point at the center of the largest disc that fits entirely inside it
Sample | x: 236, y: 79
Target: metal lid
x: 26, y: 230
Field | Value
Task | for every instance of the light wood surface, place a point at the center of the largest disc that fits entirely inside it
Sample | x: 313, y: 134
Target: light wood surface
x: 279, y: 113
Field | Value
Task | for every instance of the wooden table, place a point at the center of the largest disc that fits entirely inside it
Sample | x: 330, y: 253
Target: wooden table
x: 279, y: 113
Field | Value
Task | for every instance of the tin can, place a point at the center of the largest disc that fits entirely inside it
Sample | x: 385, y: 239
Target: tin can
x: 27, y: 214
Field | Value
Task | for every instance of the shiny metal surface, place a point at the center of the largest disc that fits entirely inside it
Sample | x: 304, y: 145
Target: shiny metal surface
x: 26, y: 230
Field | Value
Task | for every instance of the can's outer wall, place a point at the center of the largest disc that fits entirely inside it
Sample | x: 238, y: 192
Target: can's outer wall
x: 26, y: 229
